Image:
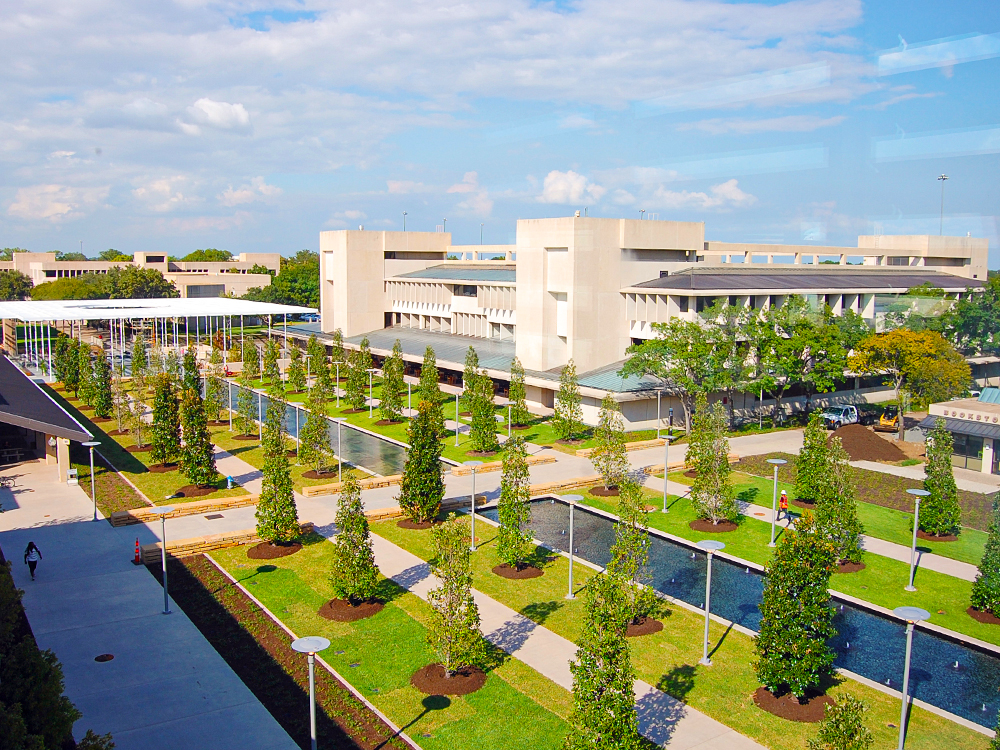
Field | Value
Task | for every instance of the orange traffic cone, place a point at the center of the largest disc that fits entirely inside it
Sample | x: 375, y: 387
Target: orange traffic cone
x: 137, y: 560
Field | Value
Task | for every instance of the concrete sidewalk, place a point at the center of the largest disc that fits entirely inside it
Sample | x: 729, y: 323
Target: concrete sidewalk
x: 970, y: 481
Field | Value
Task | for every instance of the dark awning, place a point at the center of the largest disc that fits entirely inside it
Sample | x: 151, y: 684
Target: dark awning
x: 963, y: 426
x: 24, y: 404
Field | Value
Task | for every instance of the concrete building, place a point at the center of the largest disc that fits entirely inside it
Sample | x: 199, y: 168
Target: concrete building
x: 192, y: 278
x: 974, y: 424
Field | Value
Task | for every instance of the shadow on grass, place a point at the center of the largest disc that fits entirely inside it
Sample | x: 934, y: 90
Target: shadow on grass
x: 430, y: 703
x: 541, y: 611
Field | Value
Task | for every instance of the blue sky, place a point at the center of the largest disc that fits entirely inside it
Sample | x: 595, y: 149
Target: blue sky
x: 254, y: 126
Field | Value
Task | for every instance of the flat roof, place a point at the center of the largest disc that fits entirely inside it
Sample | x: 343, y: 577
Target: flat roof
x: 23, y: 403
x: 127, y: 309
x: 744, y: 277
x: 457, y: 272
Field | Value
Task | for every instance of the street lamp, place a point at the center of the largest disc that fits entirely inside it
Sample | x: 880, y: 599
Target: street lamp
x: 337, y: 386
x: 473, y: 465
x: 371, y: 396
x: 457, y: 424
x: 912, y: 615
x: 658, y: 394
x: 162, y: 512
x: 93, y: 486
x: 310, y: 645
x: 404, y: 221
x: 710, y: 546
x: 776, y: 462
x: 666, y: 463
x: 941, y: 179
x: 340, y: 460
x: 917, y: 494
x: 571, y: 501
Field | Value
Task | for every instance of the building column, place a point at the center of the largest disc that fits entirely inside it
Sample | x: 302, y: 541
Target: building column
x: 62, y: 457
x: 987, y: 467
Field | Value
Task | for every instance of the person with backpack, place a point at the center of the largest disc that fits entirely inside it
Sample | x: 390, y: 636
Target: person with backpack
x: 31, y: 557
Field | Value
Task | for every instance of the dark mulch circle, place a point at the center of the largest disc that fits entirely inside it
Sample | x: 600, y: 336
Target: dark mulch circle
x: 313, y: 474
x: 269, y: 551
x: 808, y: 505
x: 162, y: 468
x: 218, y: 423
x: 518, y: 574
x: 355, y: 411
x: 117, y: 432
x: 406, y: 523
x: 293, y: 453
x: 986, y: 618
x: 521, y: 426
x: 787, y: 706
x: 713, y: 528
x: 645, y: 626
x: 341, y: 610
x: 100, y: 420
x: 574, y: 441
x: 691, y: 473
x: 295, y: 393
x: 431, y: 680
x: 193, y: 490
x: 139, y: 448
x: 932, y: 538
x: 602, y: 491
x: 386, y: 422
x: 465, y: 414
x: 246, y: 437
x: 482, y: 454
x: 104, y: 657
x: 850, y: 567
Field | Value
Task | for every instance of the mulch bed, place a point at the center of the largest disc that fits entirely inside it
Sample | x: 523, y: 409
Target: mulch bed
x: 862, y: 444
x: 482, y: 454
x: 984, y: 617
x: 139, y: 448
x: 465, y: 414
x: 295, y: 393
x: 518, y: 574
x: 268, y: 551
x: 293, y: 453
x: 691, y: 473
x: 932, y: 538
x: 850, y: 567
x: 100, y: 420
x: 218, y: 423
x: 246, y: 437
x: 701, y: 524
x: 260, y: 653
x: 788, y: 706
x: 521, y: 426
x: 387, y: 422
x: 341, y: 610
x: 117, y: 433
x: 645, y: 626
x: 193, y: 490
x: 162, y: 468
x: 355, y: 411
x: 431, y: 680
x: 406, y: 523
x: 602, y: 491
x: 561, y: 441
x: 313, y: 474
x: 806, y: 504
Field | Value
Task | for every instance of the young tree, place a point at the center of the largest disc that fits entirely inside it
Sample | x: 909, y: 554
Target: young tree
x: 102, y: 387
x: 514, y: 509
x: 708, y: 454
x: 166, y: 439
x: 811, y: 463
x: 353, y: 574
x: 837, y: 506
x: 140, y: 359
x: 246, y: 406
x: 359, y: 362
x: 315, y: 352
x: 986, y: 587
x: 62, y: 349
x: 604, y: 716
x: 940, y: 513
x: 172, y: 364
x: 198, y: 456
x: 519, y: 413
x: 844, y: 727
x: 609, y: 456
x: 71, y: 376
x: 216, y: 389
x: 630, y: 552
x: 568, y: 418
x: 314, y: 440
x: 469, y: 379
x: 277, y: 516
x: 320, y: 368
x: 390, y: 404
x: 337, y: 351
x: 120, y: 402
x: 296, y: 371
x: 272, y: 352
x: 85, y: 389
x: 429, y: 389
x: 422, y: 487
x: 192, y: 376
x: 251, y: 360
x: 453, y: 631
x: 484, y: 423
x: 155, y: 361
x: 796, y: 616
x: 137, y: 426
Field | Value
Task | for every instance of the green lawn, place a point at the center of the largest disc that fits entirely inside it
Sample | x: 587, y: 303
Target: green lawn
x: 378, y: 656
x: 669, y: 659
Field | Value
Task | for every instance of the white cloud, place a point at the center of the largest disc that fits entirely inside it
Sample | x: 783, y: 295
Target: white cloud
x: 221, y: 115
x: 258, y: 189
x: 478, y: 200
x: 162, y: 195
x: 724, y: 195
x: 352, y: 215
x: 569, y: 187
x: 469, y: 183
x: 403, y: 187
x: 55, y: 202
x: 577, y: 121
x: 789, y: 124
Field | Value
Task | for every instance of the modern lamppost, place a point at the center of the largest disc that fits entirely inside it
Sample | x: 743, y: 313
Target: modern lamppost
x: 710, y: 546
x: 457, y: 424
x: 941, y: 179
x: 337, y: 386
x: 571, y: 501
x: 666, y: 464
x: 162, y: 512
x: 912, y: 615
x: 371, y: 394
x: 309, y: 646
x: 404, y: 221
x: 917, y: 494
x: 93, y: 486
x: 776, y: 462
x: 340, y: 460
x: 473, y: 465
x: 658, y: 394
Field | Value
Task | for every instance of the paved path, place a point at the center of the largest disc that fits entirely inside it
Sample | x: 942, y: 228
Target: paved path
x: 969, y: 481
x: 166, y: 687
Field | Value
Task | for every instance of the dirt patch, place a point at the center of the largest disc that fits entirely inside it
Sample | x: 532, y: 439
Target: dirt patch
x: 644, y: 626
x: 808, y: 711
x: 713, y: 528
x: 269, y: 551
x: 602, y: 491
x: 465, y: 414
x: 246, y: 437
x: 518, y: 574
x: 850, y: 567
x: 862, y: 444
x: 987, y: 618
x: 218, y: 423
x: 162, y: 468
x: 295, y: 393
x: 691, y: 473
x: 431, y: 680
x: 139, y: 448
x: 805, y: 504
x: 932, y: 538
x: 117, y: 433
x: 341, y: 610
x: 193, y: 490
x: 313, y: 474
x: 481, y: 454
x: 292, y: 453
x: 575, y: 441
x: 521, y: 426
x: 387, y: 422
x: 355, y: 411
x: 406, y: 523
x: 100, y: 420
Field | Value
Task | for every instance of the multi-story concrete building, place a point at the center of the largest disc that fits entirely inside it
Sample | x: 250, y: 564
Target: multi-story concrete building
x: 192, y: 278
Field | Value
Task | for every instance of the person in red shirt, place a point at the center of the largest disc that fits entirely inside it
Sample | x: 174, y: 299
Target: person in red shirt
x: 783, y: 507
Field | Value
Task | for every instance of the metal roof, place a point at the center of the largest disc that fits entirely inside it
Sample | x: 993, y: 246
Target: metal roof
x: 449, y: 348
x: 962, y: 427
x: 781, y: 280
x: 990, y: 395
x: 129, y: 309
x: 24, y: 404
x: 455, y: 272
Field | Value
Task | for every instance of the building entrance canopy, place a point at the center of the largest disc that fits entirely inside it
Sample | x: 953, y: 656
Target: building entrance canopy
x: 134, y: 309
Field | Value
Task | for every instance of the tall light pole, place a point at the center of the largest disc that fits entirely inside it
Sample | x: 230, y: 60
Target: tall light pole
x: 912, y: 615
x: 641, y: 212
x: 371, y: 395
x: 571, y: 501
x: 162, y: 512
x: 666, y: 464
x: 93, y: 486
x: 456, y: 419
x: 710, y: 546
x: 309, y: 646
x: 473, y: 465
x: 942, y: 178
x: 340, y: 458
x: 337, y: 386
x: 445, y: 222
x: 481, y: 235
x: 658, y: 393
x: 776, y: 462
x: 404, y: 221
x: 917, y: 494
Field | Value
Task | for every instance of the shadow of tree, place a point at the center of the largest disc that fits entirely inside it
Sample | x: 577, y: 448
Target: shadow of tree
x: 539, y: 612
x: 678, y: 682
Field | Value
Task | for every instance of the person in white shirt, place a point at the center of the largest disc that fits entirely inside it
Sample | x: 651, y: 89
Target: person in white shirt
x: 31, y: 557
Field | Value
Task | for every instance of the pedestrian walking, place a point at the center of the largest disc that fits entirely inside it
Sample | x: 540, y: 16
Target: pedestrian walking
x: 31, y: 557
x: 783, y: 506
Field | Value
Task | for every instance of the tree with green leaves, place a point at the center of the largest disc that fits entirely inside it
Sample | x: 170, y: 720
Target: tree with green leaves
x: 484, y: 424
x: 353, y: 574
x: 796, y: 616
x: 422, y: 487
x: 517, y: 395
x: 155, y: 361
x: 120, y: 402
x: 172, y: 364
x: 62, y: 350
x: 604, y: 716
x: 276, y: 401
x: 246, y: 406
x: 811, y: 463
x: 251, y: 360
x: 140, y: 356
x: 198, y: 456
x: 216, y: 388
x: 630, y: 552
x: 568, y: 417
x: 85, y: 390
x: 192, y: 376
x: 337, y: 351
x: 137, y: 426
x: 468, y: 379
x: 71, y: 375
x: 315, y: 351
x: 837, y: 506
x: 843, y: 727
x: 272, y: 353
x: 608, y: 455
x: 314, y: 438
x: 166, y: 429
x: 940, y: 513
x: 319, y: 368
x: 986, y: 587
x: 102, y: 401
x: 359, y: 362
x: 296, y: 371
x: 514, y: 507
x: 453, y: 631
x: 429, y: 389
x: 712, y: 493
x: 277, y: 516
x: 390, y: 406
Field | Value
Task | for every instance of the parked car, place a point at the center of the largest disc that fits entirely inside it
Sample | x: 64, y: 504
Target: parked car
x: 835, y: 417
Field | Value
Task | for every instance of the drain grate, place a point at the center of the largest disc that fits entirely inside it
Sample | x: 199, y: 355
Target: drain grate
x: 104, y: 657
x: 214, y: 516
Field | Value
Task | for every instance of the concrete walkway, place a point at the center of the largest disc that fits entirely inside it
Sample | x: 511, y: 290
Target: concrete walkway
x: 970, y: 481
x: 166, y: 687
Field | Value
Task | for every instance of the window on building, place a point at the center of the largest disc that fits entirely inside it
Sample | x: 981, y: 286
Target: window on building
x: 967, y: 452
x: 154, y: 258
x: 897, y: 260
x: 466, y: 290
